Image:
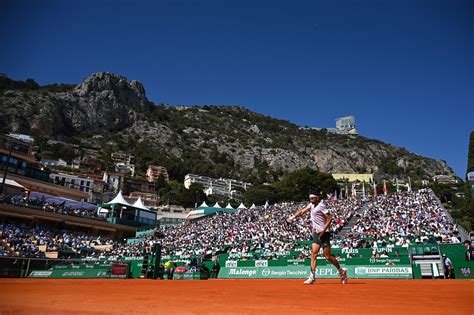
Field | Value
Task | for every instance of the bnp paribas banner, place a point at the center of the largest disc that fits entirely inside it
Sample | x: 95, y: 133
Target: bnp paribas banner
x: 299, y: 272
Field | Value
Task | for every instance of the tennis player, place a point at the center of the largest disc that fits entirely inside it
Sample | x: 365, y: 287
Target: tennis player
x: 321, y: 219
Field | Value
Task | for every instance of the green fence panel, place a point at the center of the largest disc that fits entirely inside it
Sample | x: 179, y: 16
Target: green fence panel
x: 463, y: 269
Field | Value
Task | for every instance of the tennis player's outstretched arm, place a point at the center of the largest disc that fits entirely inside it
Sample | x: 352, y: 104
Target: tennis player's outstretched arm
x: 297, y: 214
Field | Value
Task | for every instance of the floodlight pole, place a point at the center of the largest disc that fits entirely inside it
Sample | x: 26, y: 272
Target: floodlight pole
x: 6, y: 167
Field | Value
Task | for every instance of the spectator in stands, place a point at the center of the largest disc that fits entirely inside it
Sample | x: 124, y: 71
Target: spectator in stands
x: 468, y: 245
x: 455, y: 238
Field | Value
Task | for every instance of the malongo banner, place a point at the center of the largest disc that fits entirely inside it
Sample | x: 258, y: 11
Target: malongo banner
x: 300, y: 272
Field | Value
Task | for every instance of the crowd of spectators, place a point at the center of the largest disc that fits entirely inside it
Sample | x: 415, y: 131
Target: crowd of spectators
x: 263, y: 231
x: 56, y: 207
x: 399, y: 219
x: 26, y: 240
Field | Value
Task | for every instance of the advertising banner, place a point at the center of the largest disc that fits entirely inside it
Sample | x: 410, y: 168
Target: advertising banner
x: 70, y: 273
x: 300, y: 272
x: 187, y: 276
x: 119, y: 271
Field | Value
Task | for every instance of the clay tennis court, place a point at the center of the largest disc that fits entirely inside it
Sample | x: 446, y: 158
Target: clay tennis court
x: 43, y: 296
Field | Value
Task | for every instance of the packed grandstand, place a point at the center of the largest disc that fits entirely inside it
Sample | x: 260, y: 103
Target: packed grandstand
x: 396, y: 220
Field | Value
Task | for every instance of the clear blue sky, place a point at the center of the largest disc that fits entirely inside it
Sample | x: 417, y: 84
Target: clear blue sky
x: 403, y: 68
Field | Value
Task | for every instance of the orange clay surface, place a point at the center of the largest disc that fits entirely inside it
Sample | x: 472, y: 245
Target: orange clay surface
x: 359, y: 296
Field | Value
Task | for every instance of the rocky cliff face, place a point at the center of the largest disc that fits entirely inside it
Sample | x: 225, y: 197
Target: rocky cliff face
x: 117, y: 109
x: 103, y: 102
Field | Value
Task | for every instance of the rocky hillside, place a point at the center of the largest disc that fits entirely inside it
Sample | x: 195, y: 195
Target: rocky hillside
x: 109, y: 112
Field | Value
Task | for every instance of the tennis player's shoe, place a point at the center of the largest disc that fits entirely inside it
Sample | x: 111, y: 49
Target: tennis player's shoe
x: 343, y: 274
x: 310, y: 280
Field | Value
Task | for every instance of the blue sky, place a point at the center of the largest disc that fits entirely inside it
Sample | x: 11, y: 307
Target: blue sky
x: 404, y: 68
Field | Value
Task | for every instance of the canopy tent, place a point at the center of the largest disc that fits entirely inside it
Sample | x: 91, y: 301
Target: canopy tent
x: 229, y: 206
x: 118, y: 200
x: 139, y: 204
x: 203, y: 205
x: 12, y: 183
x: 253, y: 206
x: 121, y: 211
x: 266, y: 205
x: 242, y: 206
x: 217, y: 205
x: 202, y: 212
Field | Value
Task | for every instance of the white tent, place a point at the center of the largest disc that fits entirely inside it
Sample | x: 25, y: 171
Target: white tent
x: 241, y: 206
x: 217, y: 205
x: 118, y: 200
x: 11, y: 182
x: 266, y: 205
x: 139, y: 204
x: 229, y: 206
x: 203, y: 205
x: 253, y: 206
x: 102, y: 210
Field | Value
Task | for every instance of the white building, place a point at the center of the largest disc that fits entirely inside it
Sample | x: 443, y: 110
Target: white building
x: 222, y: 186
x: 77, y: 182
x: 54, y: 163
x: 113, y: 181
x: 124, y: 167
x: 445, y: 179
x: 22, y: 137
x: 344, y: 126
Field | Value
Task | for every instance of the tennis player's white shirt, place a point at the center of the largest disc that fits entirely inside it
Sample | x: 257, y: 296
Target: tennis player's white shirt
x: 319, y: 214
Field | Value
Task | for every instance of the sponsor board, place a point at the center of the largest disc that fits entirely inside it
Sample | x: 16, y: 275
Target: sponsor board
x: 261, y: 263
x: 119, y: 271
x: 231, y: 263
x: 299, y: 272
x: 71, y: 273
x: 383, y: 272
x: 40, y: 274
x: 465, y: 272
x: 187, y: 276
x: 293, y: 271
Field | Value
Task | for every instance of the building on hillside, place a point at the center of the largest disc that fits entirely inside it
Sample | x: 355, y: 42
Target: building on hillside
x: 113, y: 181
x: 120, y: 156
x: 54, y: 163
x: 155, y: 171
x: 22, y: 137
x: 171, y: 215
x: 125, y: 168
x: 150, y: 200
x: 21, y: 166
x: 344, y: 126
x: 73, y: 181
x: 136, y: 185
x: 16, y: 156
x: 445, y: 179
x: 124, y: 162
x: 229, y: 188
x: 368, y: 178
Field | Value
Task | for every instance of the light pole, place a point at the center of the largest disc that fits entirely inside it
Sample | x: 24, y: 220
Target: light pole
x: 6, y: 167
